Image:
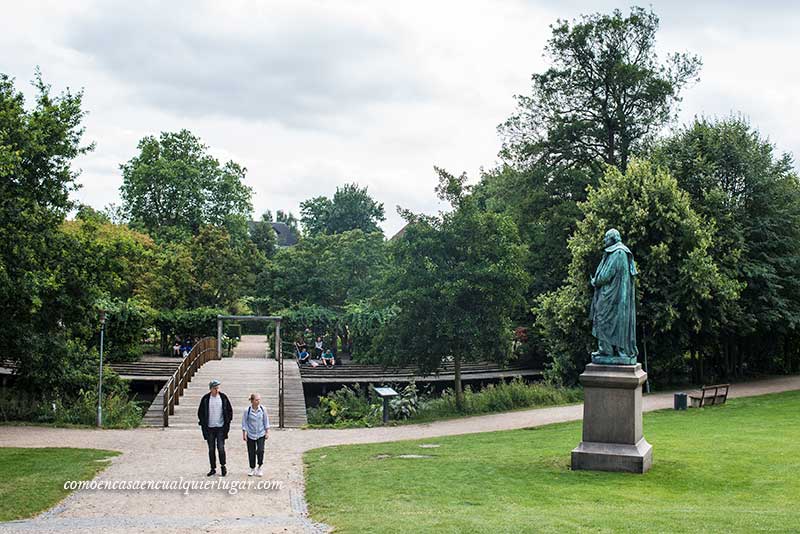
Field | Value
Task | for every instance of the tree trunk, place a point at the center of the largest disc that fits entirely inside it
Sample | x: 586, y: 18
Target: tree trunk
x: 700, y: 365
x: 165, y: 348
x: 459, y: 390
x: 787, y: 357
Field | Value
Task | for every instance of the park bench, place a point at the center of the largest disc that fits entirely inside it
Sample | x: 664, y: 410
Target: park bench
x: 716, y: 394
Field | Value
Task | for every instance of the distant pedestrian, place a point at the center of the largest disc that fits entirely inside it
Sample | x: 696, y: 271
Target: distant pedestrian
x: 318, y: 348
x: 255, y: 431
x: 214, y: 417
x: 328, y: 359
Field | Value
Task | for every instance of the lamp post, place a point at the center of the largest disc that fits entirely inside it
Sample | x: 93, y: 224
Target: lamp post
x: 100, y: 386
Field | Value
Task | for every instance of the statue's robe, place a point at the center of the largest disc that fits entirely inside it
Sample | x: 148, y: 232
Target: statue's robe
x: 613, y: 311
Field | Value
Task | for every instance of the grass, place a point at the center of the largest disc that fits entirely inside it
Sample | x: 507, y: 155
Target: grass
x: 33, y: 479
x: 730, y: 468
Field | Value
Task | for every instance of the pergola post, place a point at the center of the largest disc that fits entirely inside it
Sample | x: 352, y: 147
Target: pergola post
x: 279, y: 358
x: 219, y: 337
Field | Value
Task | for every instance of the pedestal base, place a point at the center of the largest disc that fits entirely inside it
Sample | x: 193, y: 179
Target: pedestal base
x: 595, y: 456
x: 612, y: 420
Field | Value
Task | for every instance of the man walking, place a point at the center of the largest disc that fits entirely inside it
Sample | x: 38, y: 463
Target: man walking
x: 214, y: 417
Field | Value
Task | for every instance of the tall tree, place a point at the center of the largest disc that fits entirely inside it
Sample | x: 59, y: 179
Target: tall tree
x: 37, y: 148
x: 605, y: 96
x: 174, y: 187
x: 351, y: 208
x: 456, y: 279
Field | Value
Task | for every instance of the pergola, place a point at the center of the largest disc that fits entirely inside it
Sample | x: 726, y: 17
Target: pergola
x: 278, y: 354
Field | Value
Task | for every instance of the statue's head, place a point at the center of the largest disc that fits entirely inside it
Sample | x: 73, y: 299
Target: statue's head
x: 612, y: 237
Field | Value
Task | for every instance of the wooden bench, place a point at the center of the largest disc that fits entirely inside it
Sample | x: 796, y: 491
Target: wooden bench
x: 716, y: 394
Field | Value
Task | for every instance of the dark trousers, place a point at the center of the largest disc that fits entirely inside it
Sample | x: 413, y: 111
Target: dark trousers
x: 255, y: 447
x: 216, y: 437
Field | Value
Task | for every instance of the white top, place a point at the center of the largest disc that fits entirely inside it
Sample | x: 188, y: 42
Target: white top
x: 318, y: 344
x: 215, y: 418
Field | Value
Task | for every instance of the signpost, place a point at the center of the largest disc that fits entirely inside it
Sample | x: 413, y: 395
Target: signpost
x: 385, y: 394
x: 100, y: 386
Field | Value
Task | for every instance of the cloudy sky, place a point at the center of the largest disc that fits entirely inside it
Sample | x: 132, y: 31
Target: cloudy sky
x: 309, y: 95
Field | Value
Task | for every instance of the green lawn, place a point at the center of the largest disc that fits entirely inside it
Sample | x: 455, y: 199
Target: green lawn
x: 730, y: 468
x: 32, y: 480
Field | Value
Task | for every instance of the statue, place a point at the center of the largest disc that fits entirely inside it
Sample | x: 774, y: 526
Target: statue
x: 613, y: 311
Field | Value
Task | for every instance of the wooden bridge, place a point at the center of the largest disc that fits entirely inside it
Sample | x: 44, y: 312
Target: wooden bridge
x: 248, y: 371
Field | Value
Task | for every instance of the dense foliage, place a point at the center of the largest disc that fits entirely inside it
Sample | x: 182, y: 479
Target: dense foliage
x: 457, y: 280
x: 173, y: 187
x: 351, y: 208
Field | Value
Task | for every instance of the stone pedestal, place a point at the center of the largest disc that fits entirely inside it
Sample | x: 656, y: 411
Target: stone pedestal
x: 612, y: 420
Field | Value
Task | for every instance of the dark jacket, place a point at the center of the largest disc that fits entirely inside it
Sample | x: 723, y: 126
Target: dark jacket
x: 202, y: 414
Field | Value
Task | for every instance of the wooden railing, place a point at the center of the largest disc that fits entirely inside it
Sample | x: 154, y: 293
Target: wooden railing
x: 203, y: 351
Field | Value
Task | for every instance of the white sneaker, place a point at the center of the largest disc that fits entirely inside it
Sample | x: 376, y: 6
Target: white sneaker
x: 259, y: 472
x: 251, y: 472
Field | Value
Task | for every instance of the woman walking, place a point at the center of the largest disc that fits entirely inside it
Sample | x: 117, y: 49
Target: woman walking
x: 255, y: 430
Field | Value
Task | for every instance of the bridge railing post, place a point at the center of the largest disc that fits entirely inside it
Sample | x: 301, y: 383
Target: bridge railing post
x: 165, y: 408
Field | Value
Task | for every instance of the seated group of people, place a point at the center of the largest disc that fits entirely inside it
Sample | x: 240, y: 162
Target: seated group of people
x: 325, y: 356
x: 182, y: 348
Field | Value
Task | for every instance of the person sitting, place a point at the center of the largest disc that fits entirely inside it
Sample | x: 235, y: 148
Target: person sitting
x: 328, y: 359
x: 303, y: 357
x: 318, y: 347
x: 176, y: 349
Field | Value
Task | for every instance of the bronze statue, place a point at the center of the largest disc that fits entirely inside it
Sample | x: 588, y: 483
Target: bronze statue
x: 613, y: 311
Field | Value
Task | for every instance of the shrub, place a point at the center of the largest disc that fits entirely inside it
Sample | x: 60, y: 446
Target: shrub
x: 354, y: 407
x: 118, y: 410
x: 346, y: 407
x: 497, y: 398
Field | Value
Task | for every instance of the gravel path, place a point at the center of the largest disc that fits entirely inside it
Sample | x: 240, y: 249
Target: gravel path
x: 180, y: 455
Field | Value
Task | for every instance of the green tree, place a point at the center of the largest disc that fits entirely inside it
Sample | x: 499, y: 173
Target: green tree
x: 680, y: 290
x: 263, y: 235
x: 605, y: 96
x: 456, y: 279
x: 329, y: 270
x: 736, y: 180
x: 288, y: 218
x: 173, y: 188
x: 351, y: 208
x: 223, y: 270
x: 545, y: 213
x: 321, y: 275
x: 37, y: 147
x: 109, y: 266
